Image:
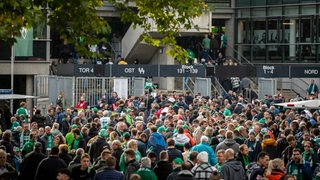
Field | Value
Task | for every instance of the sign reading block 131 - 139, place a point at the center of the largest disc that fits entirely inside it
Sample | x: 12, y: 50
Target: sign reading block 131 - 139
x: 182, y: 71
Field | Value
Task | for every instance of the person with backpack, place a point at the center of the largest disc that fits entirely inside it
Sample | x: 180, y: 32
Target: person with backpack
x: 256, y: 169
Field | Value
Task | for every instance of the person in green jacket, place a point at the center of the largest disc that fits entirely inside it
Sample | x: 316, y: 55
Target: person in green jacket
x: 132, y: 144
x: 145, y: 171
x: 69, y: 137
x: 23, y: 111
x: 28, y: 147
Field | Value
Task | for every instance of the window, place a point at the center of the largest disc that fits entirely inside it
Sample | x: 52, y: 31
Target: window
x: 243, y: 3
x: 275, y: 11
x: 291, y: 10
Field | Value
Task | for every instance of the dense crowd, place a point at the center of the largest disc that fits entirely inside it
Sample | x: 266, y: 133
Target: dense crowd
x: 164, y: 136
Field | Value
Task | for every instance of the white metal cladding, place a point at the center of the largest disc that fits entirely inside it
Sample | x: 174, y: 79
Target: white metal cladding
x: 51, y: 86
x: 203, y: 85
x: 93, y: 88
x: 266, y: 87
x: 138, y: 86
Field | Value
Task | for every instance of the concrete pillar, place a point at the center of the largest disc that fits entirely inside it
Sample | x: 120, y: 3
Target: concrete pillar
x: 29, y: 91
x: 240, y: 39
x: 292, y: 39
x: 166, y: 83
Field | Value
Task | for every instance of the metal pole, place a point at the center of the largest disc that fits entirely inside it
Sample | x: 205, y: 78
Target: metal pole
x: 12, y: 76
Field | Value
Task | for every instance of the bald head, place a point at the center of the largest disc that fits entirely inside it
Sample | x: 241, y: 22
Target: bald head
x: 229, y: 154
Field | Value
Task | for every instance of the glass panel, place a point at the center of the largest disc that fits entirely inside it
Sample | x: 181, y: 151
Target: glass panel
x: 271, y: 2
x: 273, y: 36
x: 259, y: 41
x: 303, y: 1
x: 244, y: 51
x: 243, y: 3
x: 290, y: 1
x: 305, y: 30
x: 308, y: 53
x: 259, y: 12
x: 244, y: 32
x: 275, y: 11
x: 243, y: 13
x: 291, y: 10
x: 258, y: 3
x: 275, y: 53
x: 308, y: 10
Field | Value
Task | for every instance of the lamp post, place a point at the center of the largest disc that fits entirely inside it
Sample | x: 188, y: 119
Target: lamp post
x: 12, y: 75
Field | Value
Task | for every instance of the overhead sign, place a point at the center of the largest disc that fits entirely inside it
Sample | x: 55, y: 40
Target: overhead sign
x: 235, y: 71
x: 270, y: 71
x: 65, y: 70
x: 134, y: 70
x: 84, y: 70
x: 5, y: 91
x: 308, y: 71
x: 182, y: 71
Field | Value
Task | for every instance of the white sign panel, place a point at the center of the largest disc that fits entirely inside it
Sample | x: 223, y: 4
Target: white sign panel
x: 121, y: 87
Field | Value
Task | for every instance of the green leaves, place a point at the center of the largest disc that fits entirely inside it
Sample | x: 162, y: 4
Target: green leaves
x: 167, y: 16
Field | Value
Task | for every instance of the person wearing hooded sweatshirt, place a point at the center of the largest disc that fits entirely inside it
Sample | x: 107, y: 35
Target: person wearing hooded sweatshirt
x: 156, y: 142
x: 269, y: 145
x: 98, y: 145
x: 180, y: 139
x: 203, y: 146
x: 309, y: 155
x: 229, y: 142
x: 232, y: 169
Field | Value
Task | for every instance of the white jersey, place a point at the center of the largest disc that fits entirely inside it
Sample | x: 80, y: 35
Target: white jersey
x: 104, y: 121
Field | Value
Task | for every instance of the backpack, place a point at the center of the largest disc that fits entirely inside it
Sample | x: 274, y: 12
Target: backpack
x: 252, y: 167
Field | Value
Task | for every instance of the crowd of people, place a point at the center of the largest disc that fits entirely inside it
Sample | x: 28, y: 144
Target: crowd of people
x: 170, y: 136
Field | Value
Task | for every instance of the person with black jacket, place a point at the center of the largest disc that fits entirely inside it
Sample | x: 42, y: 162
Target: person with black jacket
x: 98, y: 145
x: 163, y: 167
x: 48, y: 167
x: 30, y: 161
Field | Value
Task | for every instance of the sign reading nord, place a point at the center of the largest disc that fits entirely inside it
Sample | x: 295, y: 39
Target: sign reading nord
x: 308, y: 71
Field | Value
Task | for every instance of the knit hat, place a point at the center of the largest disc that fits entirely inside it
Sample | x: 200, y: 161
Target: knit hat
x: 95, y: 109
x: 129, y: 110
x: 126, y: 135
x: 264, y: 130
x: 203, y: 157
x: 103, y: 133
x: 161, y: 129
x: 138, y: 118
x: 178, y: 161
x: 252, y: 132
x: 17, y: 149
x: 185, y: 127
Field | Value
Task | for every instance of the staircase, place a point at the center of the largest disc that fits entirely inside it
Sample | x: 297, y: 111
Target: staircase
x: 288, y: 94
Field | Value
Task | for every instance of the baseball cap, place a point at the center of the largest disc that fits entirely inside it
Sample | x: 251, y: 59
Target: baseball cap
x: 178, y: 161
x: 161, y: 129
x: 103, y: 133
x: 95, y: 109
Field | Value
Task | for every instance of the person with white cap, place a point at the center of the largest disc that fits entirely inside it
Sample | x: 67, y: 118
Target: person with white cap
x: 203, y: 170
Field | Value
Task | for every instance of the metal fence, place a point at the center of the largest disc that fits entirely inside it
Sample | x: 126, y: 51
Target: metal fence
x: 47, y: 86
x: 94, y: 88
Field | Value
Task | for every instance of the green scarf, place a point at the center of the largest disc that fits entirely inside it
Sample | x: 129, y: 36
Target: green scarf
x: 307, y: 157
x: 245, y: 160
x: 76, y: 142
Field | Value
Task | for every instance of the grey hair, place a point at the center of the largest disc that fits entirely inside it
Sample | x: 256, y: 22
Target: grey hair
x: 204, y: 139
x: 145, y: 162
